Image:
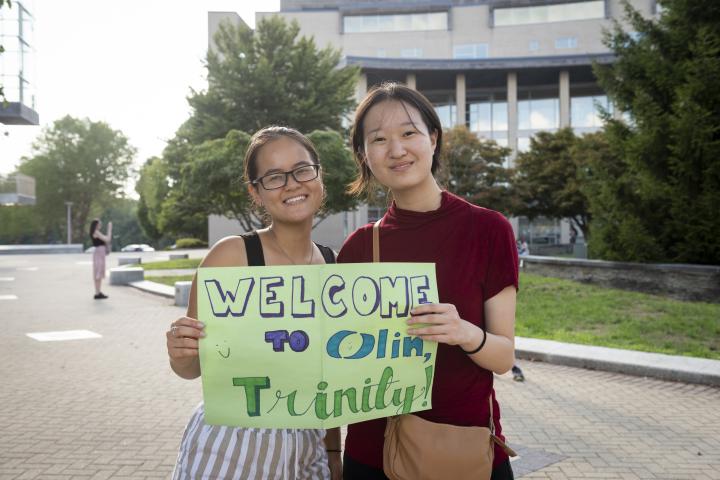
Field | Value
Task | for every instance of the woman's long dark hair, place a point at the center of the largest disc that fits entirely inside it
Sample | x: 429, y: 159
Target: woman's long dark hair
x: 93, y: 227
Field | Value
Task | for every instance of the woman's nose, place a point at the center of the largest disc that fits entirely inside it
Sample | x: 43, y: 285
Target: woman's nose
x: 397, y: 149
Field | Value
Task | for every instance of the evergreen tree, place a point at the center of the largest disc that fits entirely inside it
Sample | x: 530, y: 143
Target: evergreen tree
x: 659, y: 201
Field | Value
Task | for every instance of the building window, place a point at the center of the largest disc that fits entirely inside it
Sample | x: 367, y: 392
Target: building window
x: 523, y: 144
x: 538, y: 113
x: 584, y: 111
x: 17, y: 62
x: 395, y: 23
x: 534, y: 45
x: 488, y: 117
x: 549, y: 13
x: 411, y: 53
x: 381, y: 53
x: 447, y: 114
x: 566, y: 42
x: 472, y: 50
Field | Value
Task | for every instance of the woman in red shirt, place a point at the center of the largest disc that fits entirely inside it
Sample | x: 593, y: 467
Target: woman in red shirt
x: 396, y: 140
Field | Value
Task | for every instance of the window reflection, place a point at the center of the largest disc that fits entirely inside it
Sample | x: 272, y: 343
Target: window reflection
x: 488, y: 115
x: 538, y: 114
x: 395, y: 23
x: 549, y: 13
x: 16, y: 63
x: 447, y: 114
x: 584, y: 111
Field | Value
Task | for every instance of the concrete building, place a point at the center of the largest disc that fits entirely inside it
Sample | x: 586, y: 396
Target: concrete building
x: 17, y: 77
x: 506, y: 69
x: 17, y: 65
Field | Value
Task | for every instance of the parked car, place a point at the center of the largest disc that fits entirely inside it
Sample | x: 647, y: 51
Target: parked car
x: 137, y: 247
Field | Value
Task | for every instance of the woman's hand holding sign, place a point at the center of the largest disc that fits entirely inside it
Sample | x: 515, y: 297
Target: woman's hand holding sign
x: 182, y: 345
x: 442, y: 323
x: 492, y: 348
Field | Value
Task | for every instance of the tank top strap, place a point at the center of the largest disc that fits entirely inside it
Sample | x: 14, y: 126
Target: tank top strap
x: 327, y: 253
x: 253, y: 249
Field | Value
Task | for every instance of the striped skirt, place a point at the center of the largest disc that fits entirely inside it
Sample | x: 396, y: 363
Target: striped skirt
x: 220, y: 452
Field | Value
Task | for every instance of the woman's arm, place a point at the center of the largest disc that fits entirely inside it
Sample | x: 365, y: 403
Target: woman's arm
x: 332, y: 445
x: 444, y: 325
x: 498, y: 353
x: 101, y: 236
x: 185, y: 332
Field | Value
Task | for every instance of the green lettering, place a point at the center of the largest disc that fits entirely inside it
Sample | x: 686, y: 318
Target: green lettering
x: 385, y: 382
x: 252, y: 385
x: 321, y: 402
x: 365, y: 407
x: 351, y: 396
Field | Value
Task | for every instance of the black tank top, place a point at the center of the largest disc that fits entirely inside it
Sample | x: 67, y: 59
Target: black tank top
x: 255, y: 257
x: 97, y: 242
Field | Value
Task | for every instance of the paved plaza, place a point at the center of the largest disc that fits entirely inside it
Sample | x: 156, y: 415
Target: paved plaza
x: 110, y: 407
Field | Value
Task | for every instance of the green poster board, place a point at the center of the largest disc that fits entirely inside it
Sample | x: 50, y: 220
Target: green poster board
x: 314, y: 346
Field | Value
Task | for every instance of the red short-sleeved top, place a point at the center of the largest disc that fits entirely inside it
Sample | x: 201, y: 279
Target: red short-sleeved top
x: 475, y: 255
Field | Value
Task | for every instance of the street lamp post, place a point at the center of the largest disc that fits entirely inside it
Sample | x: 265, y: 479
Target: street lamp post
x: 69, y: 225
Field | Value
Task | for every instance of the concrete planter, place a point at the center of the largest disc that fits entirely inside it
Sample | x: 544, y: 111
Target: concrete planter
x: 678, y: 281
x: 126, y: 275
x: 182, y: 293
x: 129, y: 260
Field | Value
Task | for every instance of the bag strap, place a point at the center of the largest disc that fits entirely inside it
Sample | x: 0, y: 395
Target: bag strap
x: 376, y: 241
x: 492, y: 421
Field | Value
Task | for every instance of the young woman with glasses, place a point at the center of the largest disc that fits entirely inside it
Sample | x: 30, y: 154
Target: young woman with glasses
x: 282, y: 170
x: 396, y: 140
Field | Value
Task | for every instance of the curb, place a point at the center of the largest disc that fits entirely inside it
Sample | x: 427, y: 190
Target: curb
x: 655, y: 365
x: 155, y: 288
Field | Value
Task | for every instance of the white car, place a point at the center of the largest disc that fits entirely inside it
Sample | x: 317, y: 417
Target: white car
x: 137, y: 247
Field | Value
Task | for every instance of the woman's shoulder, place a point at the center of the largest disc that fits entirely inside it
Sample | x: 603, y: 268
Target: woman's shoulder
x: 227, y: 252
x: 360, y: 235
x: 355, y: 244
x: 489, y: 218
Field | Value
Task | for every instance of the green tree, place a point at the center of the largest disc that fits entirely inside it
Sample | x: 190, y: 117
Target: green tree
x: 547, y: 179
x: 21, y: 225
x: 77, y: 161
x: 663, y: 194
x: 152, y: 187
x: 126, y: 226
x: 475, y: 170
x: 267, y: 77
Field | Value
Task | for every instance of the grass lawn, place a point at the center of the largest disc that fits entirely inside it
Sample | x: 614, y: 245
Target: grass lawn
x: 169, y: 280
x: 573, y: 312
x: 172, y: 264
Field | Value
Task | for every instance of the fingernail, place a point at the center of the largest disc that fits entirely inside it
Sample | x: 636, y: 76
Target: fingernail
x: 202, y: 334
x: 201, y: 324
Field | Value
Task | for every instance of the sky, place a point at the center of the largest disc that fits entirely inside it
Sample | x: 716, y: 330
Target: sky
x: 130, y: 64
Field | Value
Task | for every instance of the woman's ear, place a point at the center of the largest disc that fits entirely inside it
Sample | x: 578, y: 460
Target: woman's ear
x: 433, y: 139
x: 254, y: 195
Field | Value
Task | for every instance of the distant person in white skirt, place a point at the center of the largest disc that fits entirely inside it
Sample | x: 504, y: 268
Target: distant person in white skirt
x: 101, y: 242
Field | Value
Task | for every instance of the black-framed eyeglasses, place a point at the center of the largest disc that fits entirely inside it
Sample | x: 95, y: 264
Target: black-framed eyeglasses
x: 276, y: 180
